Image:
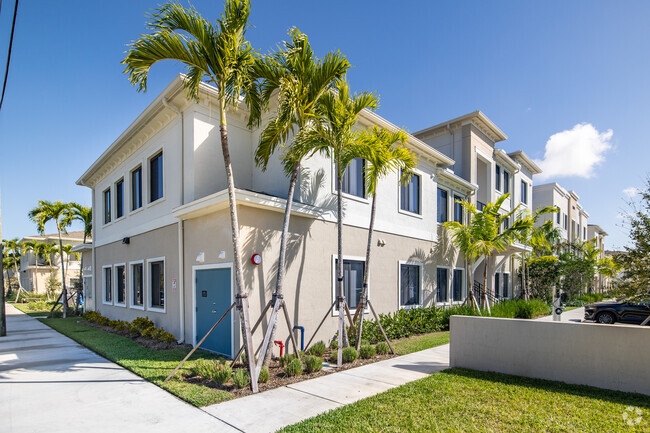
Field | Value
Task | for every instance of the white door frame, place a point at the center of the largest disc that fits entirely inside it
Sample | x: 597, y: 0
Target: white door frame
x: 195, y: 268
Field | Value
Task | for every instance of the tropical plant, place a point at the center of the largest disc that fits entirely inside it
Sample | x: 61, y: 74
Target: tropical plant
x: 293, y: 368
x: 485, y: 235
x: 14, y: 250
x: 334, y: 134
x: 37, y: 249
x: 382, y: 155
x: 300, y: 80
x: 223, y: 57
x: 58, y: 212
x: 84, y: 215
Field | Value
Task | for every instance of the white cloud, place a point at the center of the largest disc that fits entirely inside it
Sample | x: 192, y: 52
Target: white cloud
x: 575, y: 152
x: 631, y: 191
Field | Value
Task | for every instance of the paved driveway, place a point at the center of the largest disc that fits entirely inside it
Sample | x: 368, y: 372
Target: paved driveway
x: 49, y: 383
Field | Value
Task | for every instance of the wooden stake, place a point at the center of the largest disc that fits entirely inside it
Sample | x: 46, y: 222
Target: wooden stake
x: 381, y: 328
x: 320, y: 324
x: 293, y: 337
x: 259, y: 320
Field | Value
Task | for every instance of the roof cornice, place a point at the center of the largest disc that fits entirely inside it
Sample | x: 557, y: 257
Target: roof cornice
x: 480, y: 120
x: 449, y: 178
x: 521, y: 157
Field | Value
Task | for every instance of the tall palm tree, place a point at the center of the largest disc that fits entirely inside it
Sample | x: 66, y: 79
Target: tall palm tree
x: 485, y: 235
x: 382, y: 155
x: 14, y: 249
x: 223, y: 57
x: 83, y: 214
x: 300, y: 79
x: 58, y: 212
x: 334, y: 134
x: 34, y: 247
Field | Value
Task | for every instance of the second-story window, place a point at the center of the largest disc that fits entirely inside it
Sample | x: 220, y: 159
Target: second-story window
x: 566, y: 222
x: 410, y: 195
x: 119, y: 199
x: 107, y: 206
x: 557, y: 218
x: 443, y: 209
x: 458, y: 209
x: 156, y: 177
x: 353, y: 179
x: 524, y: 192
x: 136, y: 188
x: 506, y: 182
x: 497, y: 178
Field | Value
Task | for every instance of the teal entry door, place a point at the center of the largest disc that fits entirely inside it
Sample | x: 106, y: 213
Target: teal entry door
x: 213, y: 293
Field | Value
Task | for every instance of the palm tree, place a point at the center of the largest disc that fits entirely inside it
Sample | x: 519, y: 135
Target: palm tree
x: 382, y: 156
x: 223, y: 57
x: 542, y: 238
x: 84, y: 215
x: 334, y: 134
x: 13, y: 247
x: 485, y: 234
x: 58, y: 212
x: 33, y: 247
x: 48, y: 251
x: 300, y: 80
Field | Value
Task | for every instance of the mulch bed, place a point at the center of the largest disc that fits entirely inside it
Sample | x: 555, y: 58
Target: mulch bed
x: 146, y: 342
x: 277, y: 377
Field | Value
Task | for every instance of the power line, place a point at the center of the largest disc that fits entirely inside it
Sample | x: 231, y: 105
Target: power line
x: 11, y: 43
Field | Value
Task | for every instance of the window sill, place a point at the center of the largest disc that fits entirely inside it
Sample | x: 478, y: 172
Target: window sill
x: 123, y: 217
x: 135, y: 211
x: 355, y: 198
x: 353, y: 311
x: 410, y: 307
x: 157, y: 309
x: 155, y: 202
x: 411, y: 214
x: 123, y: 305
x: 107, y: 303
x: 137, y: 307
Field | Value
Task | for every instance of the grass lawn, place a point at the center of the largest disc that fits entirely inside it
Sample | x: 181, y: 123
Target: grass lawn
x: 420, y: 342
x: 152, y: 365
x: 36, y: 313
x: 470, y: 401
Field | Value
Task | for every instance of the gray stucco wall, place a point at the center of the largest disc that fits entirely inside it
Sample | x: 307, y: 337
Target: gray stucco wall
x: 605, y: 356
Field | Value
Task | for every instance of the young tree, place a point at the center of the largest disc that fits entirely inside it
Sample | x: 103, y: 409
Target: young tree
x: 223, y: 57
x: 14, y: 250
x: 383, y: 152
x: 300, y: 80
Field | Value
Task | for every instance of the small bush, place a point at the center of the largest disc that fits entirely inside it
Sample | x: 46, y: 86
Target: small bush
x: 149, y: 333
x: 221, y: 372
x: 104, y: 321
x: 367, y: 351
x: 122, y: 325
x: 382, y: 348
x: 294, y: 368
x: 334, y: 356
x: 142, y: 323
x: 349, y: 354
x: 313, y: 363
x: 165, y: 337
x: 203, y: 368
x: 286, y: 359
x: 92, y: 316
x: 334, y: 345
x: 240, y: 378
x: 318, y: 349
x: 264, y: 374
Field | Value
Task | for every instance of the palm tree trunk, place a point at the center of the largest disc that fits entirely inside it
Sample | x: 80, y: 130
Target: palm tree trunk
x: 366, y: 274
x: 20, y: 286
x: 64, y: 292
x: 339, y: 263
x: 242, y: 297
x: 283, y: 253
x: 485, y: 272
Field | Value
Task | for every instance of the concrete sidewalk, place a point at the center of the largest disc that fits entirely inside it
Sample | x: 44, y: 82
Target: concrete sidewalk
x: 49, y: 383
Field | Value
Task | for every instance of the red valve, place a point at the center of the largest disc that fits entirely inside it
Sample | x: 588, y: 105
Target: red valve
x: 281, y: 344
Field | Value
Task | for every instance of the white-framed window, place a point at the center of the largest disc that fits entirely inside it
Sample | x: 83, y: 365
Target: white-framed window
x: 119, y: 269
x: 107, y: 284
x: 524, y: 192
x: 136, y: 188
x: 136, y: 279
x: 410, y: 195
x: 506, y: 182
x: 497, y: 284
x: 442, y: 284
x: 506, y: 285
x: 497, y: 177
x: 458, y: 287
x: 119, y: 199
x: 353, y: 182
x: 106, y: 198
x: 410, y: 284
x: 156, y: 283
x: 459, y: 211
x: 156, y: 178
x: 353, y: 269
x: 443, y: 205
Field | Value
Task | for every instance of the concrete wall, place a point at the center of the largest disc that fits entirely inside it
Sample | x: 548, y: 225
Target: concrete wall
x: 604, y: 356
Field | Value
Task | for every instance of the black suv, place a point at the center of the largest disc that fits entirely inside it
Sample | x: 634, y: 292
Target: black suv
x: 634, y: 310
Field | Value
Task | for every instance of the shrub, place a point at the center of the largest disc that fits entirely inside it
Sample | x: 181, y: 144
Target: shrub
x: 367, y: 351
x: 104, y: 321
x: 202, y: 367
x: 221, y: 372
x: 150, y: 333
x: 92, y: 316
x: 165, y: 337
x: 122, y: 325
x: 264, y: 375
x: 318, y: 349
x: 349, y: 354
x: 382, y: 348
x: 286, y: 359
x: 142, y: 323
x: 313, y: 363
x: 294, y: 368
x: 240, y: 378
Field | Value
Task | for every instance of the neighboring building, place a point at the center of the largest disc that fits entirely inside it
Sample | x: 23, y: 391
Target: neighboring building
x: 596, y: 234
x: 572, y: 219
x: 34, y: 275
x: 162, y: 240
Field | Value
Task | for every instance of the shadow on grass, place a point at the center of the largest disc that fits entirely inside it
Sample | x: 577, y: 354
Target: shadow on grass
x: 624, y: 398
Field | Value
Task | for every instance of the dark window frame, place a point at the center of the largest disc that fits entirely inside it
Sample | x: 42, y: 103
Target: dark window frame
x: 524, y: 192
x: 497, y: 177
x: 136, y: 188
x: 106, y: 200
x: 348, y: 264
x: 347, y: 179
x: 506, y: 181
x: 442, y: 217
x: 156, y: 174
x: 119, y: 199
x: 107, y: 283
x: 461, y: 282
x: 459, y: 211
x: 135, y: 278
x: 439, y: 292
x: 119, y: 291
x: 409, y: 273
x: 406, y: 202
x: 156, y: 283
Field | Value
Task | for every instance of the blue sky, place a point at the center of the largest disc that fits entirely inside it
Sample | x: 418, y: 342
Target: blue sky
x: 535, y: 68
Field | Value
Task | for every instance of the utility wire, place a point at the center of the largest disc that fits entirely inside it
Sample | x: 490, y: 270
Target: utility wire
x: 11, y: 42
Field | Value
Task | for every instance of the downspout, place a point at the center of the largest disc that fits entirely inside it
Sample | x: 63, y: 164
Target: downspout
x: 181, y: 231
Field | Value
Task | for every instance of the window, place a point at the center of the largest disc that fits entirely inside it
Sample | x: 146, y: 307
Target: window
x: 584, y: 233
x: 566, y: 222
x: 497, y: 285
x: 137, y: 280
x: 457, y: 285
x: 497, y: 178
x: 506, y: 284
x: 506, y: 182
x: 136, y: 188
x: 120, y: 284
x: 410, y: 195
x: 409, y: 284
x: 557, y: 217
x: 352, y: 281
x: 353, y: 179
x: 157, y: 284
x: 443, y: 210
x: 156, y: 177
x: 108, y: 291
x: 524, y: 192
x: 506, y: 223
x: 107, y: 206
x: 458, y: 209
x: 119, y: 199
x: 441, y: 289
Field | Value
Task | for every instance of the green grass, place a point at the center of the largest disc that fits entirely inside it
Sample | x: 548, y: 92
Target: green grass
x: 420, y: 342
x: 470, y: 401
x: 152, y: 365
